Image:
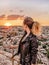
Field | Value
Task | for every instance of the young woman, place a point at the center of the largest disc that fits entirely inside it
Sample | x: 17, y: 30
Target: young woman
x: 28, y: 46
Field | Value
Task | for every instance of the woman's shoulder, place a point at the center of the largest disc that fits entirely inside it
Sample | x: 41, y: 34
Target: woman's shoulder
x: 32, y: 37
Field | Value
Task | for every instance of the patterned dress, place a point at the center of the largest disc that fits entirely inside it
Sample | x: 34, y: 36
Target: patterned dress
x: 28, y: 50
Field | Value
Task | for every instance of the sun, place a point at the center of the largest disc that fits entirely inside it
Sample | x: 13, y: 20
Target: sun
x: 7, y: 24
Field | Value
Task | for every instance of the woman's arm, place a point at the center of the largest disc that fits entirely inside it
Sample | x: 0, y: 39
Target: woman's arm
x: 17, y: 51
x: 34, y: 46
x: 19, y: 47
x: 13, y: 46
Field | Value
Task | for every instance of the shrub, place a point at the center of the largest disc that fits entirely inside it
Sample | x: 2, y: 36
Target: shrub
x: 1, y: 44
x: 47, y: 53
x: 44, y: 46
x: 39, y: 61
x: 48, y: 45
x: 39, y: 43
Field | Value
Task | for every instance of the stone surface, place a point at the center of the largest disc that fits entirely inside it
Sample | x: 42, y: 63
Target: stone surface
x: 11, y: 36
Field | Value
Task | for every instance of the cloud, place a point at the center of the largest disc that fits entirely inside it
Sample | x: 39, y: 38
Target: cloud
x: 2, y: 17
x: 14, y: 17
x: 11, y: 17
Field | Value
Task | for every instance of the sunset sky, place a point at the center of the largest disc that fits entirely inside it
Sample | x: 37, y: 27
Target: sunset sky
x: 37, y: 9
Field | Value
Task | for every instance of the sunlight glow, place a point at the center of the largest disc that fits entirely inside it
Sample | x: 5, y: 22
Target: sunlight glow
x: 7, y: 24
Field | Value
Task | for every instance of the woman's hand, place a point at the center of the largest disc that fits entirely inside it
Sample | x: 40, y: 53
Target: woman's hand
x: 33, y: 64
x: 12, y: 58
x: 11, y: 46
